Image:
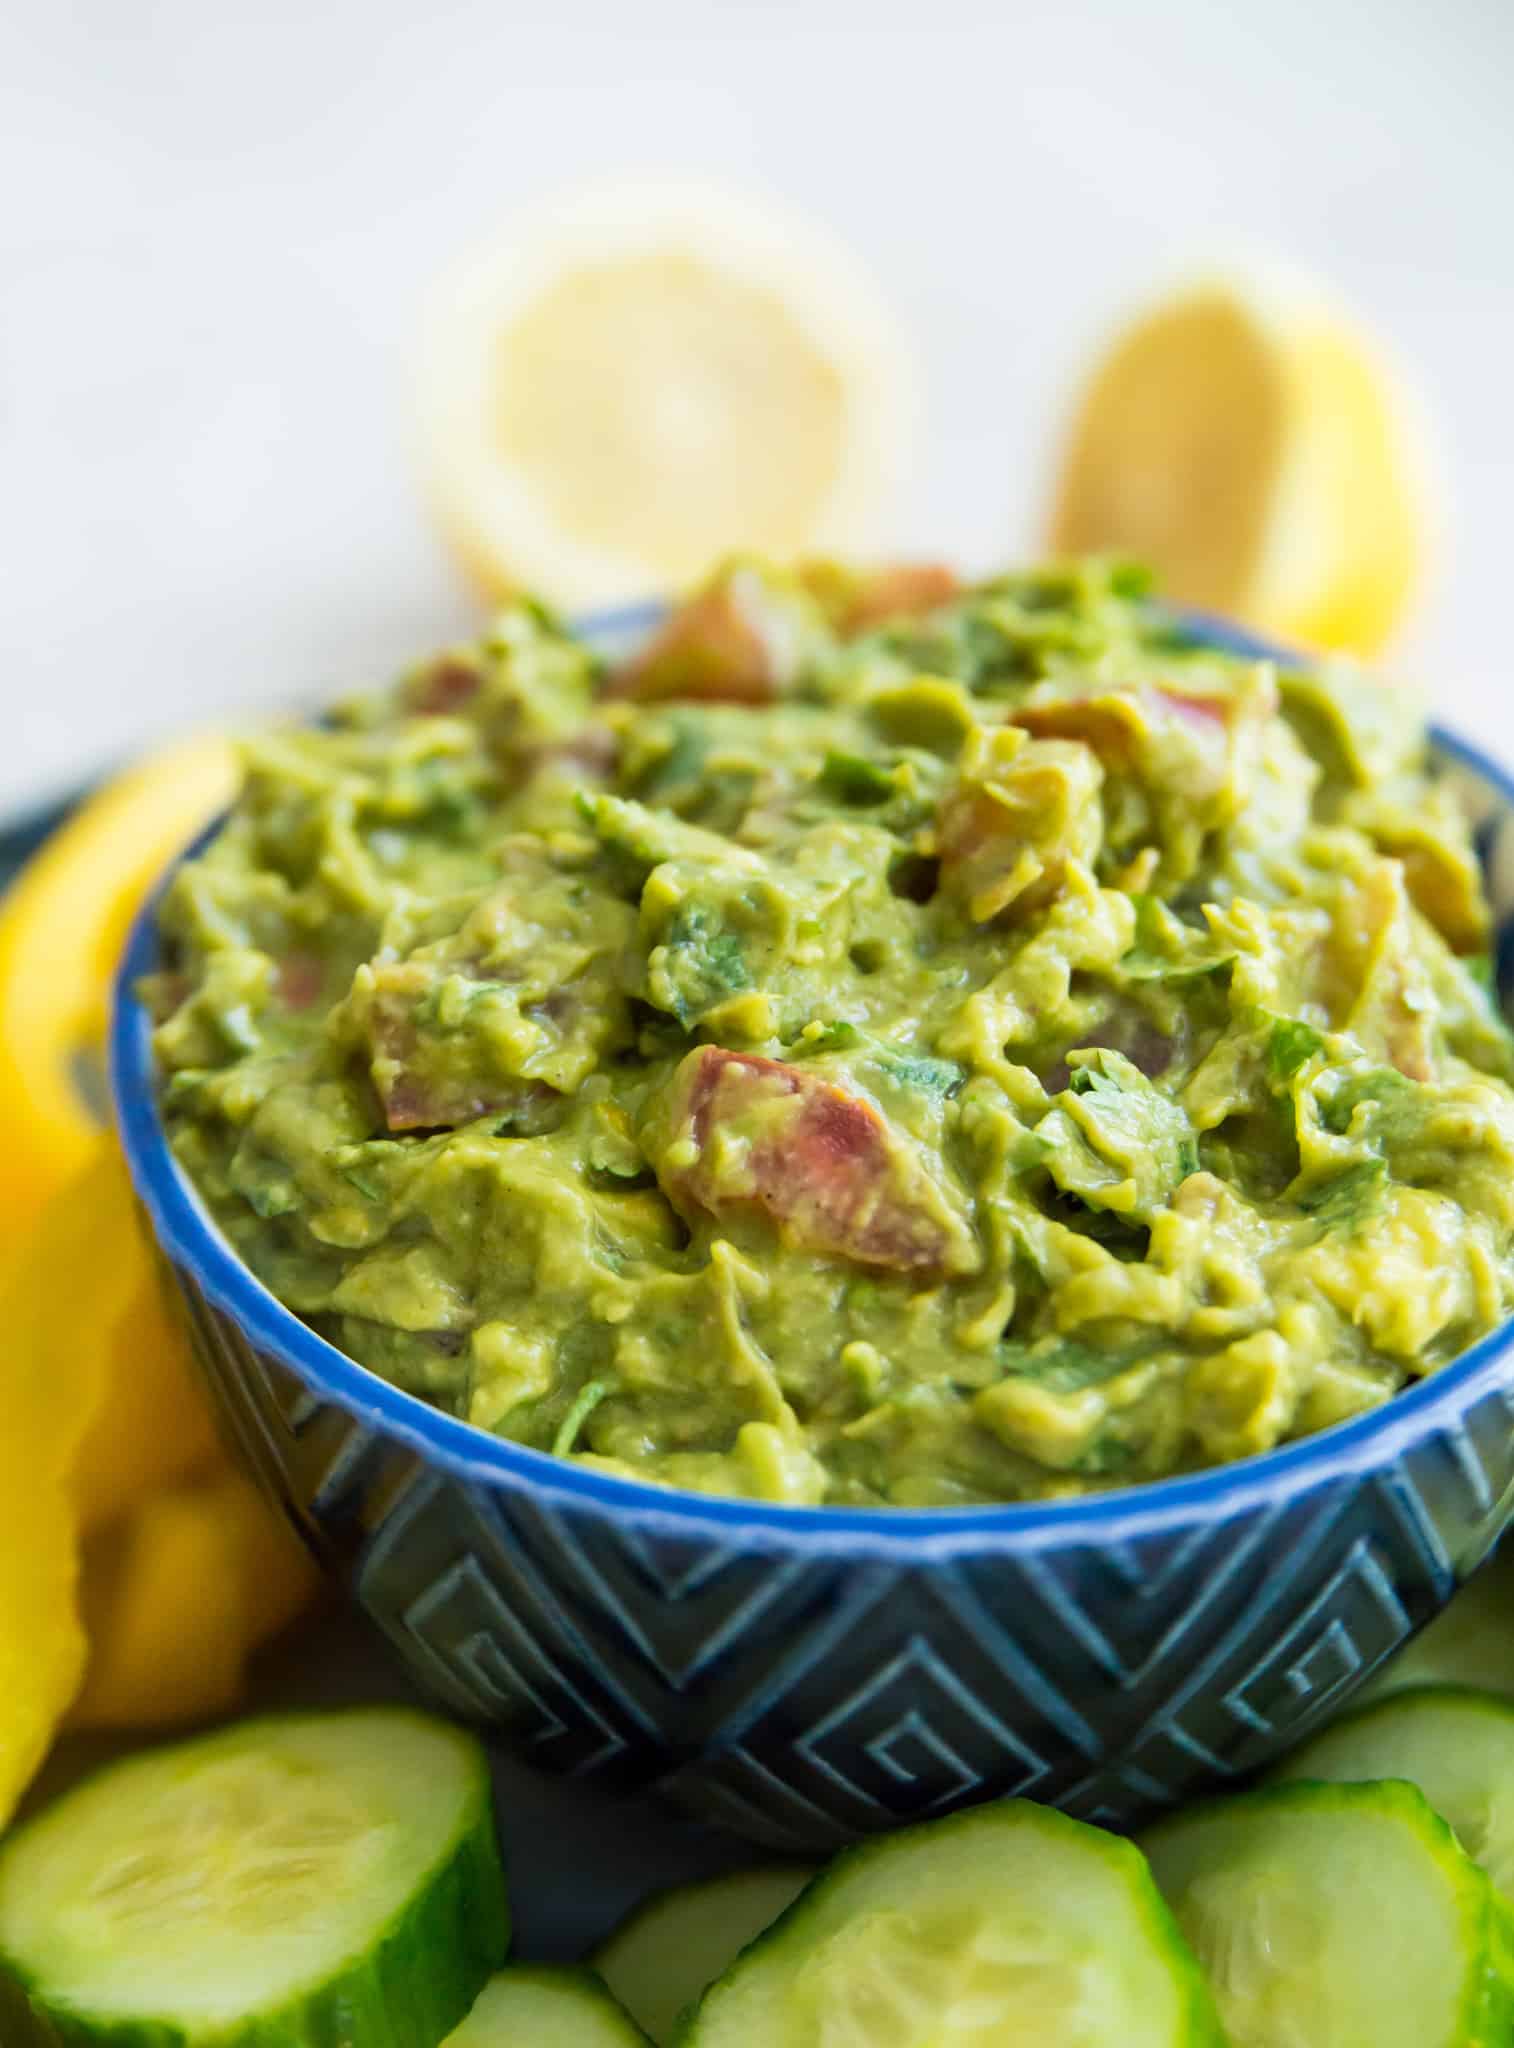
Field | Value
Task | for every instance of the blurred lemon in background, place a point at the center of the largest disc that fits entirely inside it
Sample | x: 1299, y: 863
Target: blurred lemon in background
x: 1251, y: 443
x: 649, y: 374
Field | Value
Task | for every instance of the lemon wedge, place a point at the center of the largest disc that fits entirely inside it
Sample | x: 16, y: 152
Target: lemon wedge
x: 62, y: 929
x: 648, y: 374
x: 1251, y: 443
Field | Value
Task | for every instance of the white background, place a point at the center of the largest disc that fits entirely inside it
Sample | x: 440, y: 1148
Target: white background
x: 216, y: 223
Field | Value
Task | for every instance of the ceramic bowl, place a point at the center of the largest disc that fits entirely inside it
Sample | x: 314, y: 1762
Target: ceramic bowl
x: 809, y: 1676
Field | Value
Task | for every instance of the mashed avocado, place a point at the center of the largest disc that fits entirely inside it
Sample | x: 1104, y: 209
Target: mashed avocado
x: 884, y: 1043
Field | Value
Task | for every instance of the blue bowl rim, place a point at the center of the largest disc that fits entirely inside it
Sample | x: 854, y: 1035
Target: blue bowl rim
x: 189, y: 1237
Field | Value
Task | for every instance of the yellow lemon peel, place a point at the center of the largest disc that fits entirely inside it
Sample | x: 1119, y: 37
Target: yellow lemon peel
x: 1248, y: 440
x: 62, y: 928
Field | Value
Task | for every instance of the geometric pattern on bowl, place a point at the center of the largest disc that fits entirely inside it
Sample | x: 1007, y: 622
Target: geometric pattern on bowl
x: 807, y: 1677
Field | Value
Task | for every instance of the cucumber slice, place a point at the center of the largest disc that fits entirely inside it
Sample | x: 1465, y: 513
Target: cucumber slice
x: 543, y: 2008
x: 1455, y: 1744
x: 1010, y: 1923
x: 1470, y: 1643
x: 1337, y: 1916
x: 317, y: 1880
x: 671, y: 1949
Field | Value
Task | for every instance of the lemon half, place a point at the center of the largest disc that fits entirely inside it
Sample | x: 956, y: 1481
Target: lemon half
x: 647, y: 374
x: 1252, y: 443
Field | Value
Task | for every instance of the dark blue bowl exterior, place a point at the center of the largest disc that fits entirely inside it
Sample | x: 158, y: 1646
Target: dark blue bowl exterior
x: 805, y: 1676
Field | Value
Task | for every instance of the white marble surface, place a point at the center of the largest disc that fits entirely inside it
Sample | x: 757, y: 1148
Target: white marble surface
x: 215, y: 222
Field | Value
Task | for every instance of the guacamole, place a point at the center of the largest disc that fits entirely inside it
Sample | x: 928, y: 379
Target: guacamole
x: 883, y: 1043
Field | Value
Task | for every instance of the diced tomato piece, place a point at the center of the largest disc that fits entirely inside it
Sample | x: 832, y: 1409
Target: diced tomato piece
x: 420, y: 1091
x: 723, y: 646
x: 411, y: 1107
x: 1208, y: 716
x: 907, y: 590
x: 1115, y: 726
x: 299, y: 979
x: 446, y: 686
x: 417, y: 1102
x: 1120, y: 726
x: 823, y: 1164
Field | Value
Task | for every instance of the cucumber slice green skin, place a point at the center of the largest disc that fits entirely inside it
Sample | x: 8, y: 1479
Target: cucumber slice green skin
x: 1455, y: 1743
x: 667, y: 1952
x: 527, y: 2006
x: 1055, y: 1897
x: 409, y: 1981
x: 1275, y: 1845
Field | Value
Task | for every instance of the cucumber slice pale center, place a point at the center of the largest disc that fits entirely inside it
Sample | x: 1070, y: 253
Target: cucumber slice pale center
x: 950, y: 1979
x: 1322, y: 1922
x: 305, y: 1878
x: 1263, y: 1950
x: 243, y: 1845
